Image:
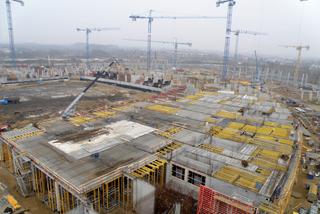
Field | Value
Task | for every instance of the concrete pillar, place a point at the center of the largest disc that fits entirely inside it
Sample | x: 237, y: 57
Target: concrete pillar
x: 288, y: 78
x: 302, y: 80
x: 56, y: 190
x: 310, y: 95
x: 306, y: 79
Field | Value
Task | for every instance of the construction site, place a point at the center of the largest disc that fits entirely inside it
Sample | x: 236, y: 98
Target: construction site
x: 166, y: 132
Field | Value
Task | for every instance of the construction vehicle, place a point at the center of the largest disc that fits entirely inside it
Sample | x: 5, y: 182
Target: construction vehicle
x: 8, y: 204
x: 9, y: 100
x: 71, y: 108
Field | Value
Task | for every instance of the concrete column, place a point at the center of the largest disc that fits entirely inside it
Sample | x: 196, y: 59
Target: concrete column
x: 56, y: 190
x: 310, y: 95
x: 288, y: 78
x: 306, y: 79
x: 302, y: 80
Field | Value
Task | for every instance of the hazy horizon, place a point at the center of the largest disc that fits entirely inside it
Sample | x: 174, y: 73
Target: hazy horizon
x: 287, y: 22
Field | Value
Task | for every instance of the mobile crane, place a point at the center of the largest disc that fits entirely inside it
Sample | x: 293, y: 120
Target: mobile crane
x: 71, y: 108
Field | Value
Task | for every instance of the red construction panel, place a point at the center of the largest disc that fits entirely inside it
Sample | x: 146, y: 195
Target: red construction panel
x: 213, y: 202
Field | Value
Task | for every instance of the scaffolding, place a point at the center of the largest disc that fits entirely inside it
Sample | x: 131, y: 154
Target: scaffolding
x: 7, y: 157
x: 23, y: 173
x: 109, y: 195
x: 212, y: 202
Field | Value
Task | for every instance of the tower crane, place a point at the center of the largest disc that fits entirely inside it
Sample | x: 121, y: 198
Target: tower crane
x: 88, y: 31
x: 10, y: 29
x: 231, y: 3
x: 237, y: 34
x: 175, y: 43
x: 151, y: 18
x: 299, y: 48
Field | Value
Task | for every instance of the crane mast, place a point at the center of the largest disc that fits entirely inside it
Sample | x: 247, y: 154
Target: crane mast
x: 299, y: 48
x: 88, y: 31
x: 151, y: 18
x: 231, y: 3
x: 10, y: 30
x: 237, y: 34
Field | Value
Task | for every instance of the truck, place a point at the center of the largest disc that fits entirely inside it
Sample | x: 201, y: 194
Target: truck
x: 9, y: 100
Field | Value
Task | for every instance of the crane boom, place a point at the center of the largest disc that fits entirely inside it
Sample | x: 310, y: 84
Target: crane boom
x: 151, y: 18
x: 69, y: 110
x: 175, y: 43
x: 237, y: 34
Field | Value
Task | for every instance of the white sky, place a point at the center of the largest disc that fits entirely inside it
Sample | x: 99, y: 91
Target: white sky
x: 287, y: 22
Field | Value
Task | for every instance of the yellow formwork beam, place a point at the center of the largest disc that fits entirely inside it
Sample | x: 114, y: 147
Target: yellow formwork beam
x: 79, y: 120
x: 241, y: 178
x: 269, y: 154
x: 163, y: 109
x: 153, y: 172
x: 121, y: 108
x: 286, y: 141
x: 215, y: 130
x: 169, y: 148
x: 236, y: 125
x: 289, y: 127
x: 169, y: 132
x: 265, y: 164
x: 211, y: 148
x: 227, y: 114
x: 280, y: 132
x: 264, y: 172
x: 249, y: 184
x: 224, y: 176
x: 250, y: 128
x: 264, y: 130
x: 104, y: 114
x: 273, y: 124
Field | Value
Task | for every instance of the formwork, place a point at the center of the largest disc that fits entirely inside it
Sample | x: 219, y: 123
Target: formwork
x: 213, y: 202
x: 64, y: 183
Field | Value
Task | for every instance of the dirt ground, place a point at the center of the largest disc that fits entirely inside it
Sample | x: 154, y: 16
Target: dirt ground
x: 31, y: 203
x: 47, y: 100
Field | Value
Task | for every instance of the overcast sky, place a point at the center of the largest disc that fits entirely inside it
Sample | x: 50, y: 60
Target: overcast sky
x: 287, y: 22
